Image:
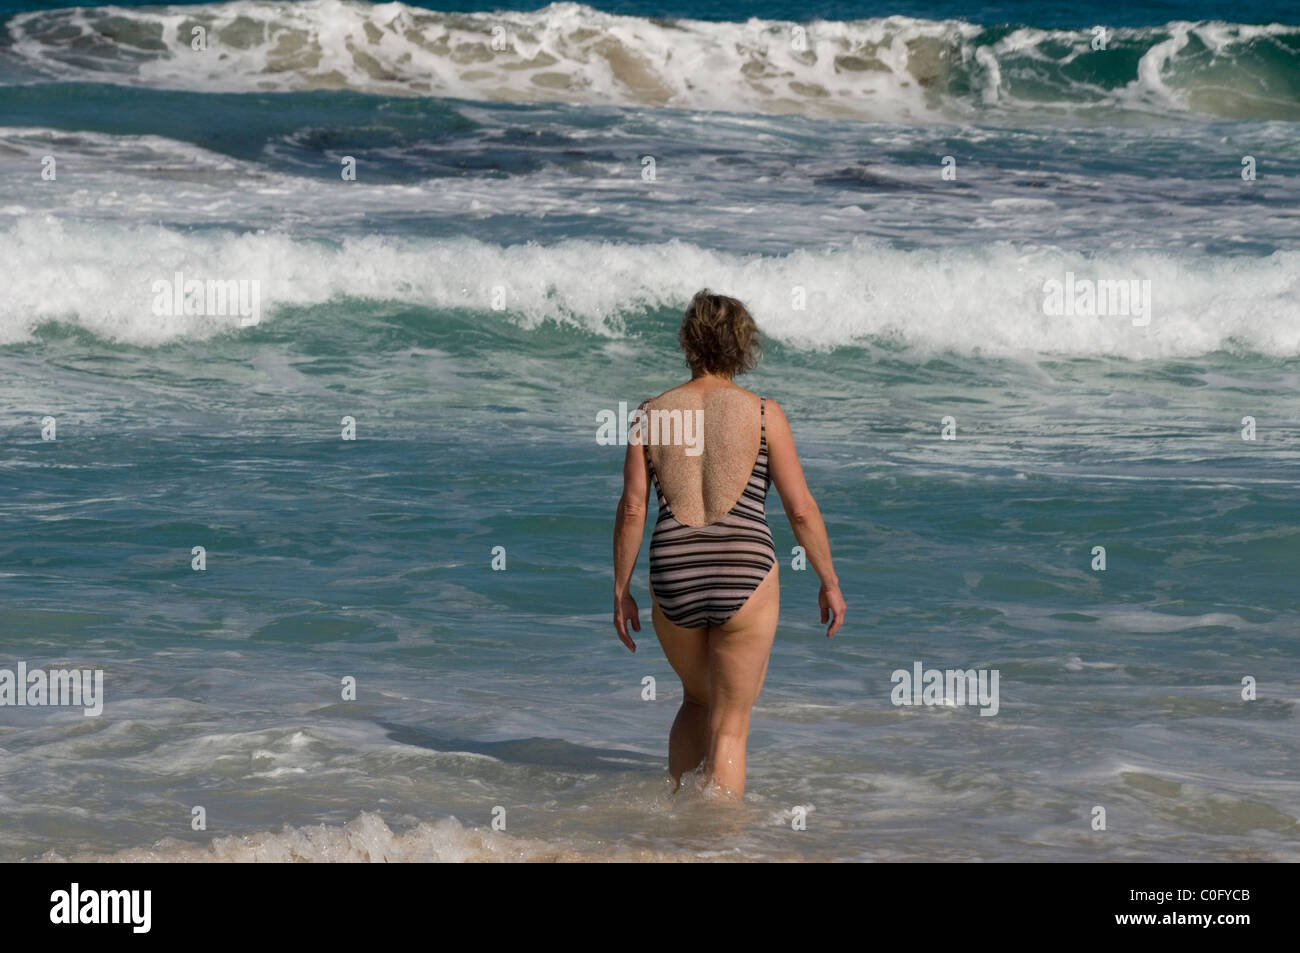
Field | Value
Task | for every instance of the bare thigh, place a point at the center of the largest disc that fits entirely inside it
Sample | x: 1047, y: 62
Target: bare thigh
x: 687, y: 651
x: 738, y: 652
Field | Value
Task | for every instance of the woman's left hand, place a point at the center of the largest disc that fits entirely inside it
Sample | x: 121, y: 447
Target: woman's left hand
x: 625, y: 611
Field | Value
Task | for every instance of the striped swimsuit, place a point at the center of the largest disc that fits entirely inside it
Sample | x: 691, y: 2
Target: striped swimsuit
x: 702, y: 575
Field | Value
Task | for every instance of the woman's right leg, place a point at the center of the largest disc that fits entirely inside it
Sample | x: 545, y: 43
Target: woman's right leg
x: 738, y: 654
x: 687, y: 652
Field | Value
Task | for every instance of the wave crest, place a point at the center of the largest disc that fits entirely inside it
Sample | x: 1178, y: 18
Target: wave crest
x: 895, y: 68
x: 975, y: 300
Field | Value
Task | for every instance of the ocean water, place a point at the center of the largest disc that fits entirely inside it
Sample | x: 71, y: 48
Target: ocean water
x: 502, y: 270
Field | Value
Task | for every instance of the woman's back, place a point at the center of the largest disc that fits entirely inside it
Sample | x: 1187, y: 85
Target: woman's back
x: 704, y: 478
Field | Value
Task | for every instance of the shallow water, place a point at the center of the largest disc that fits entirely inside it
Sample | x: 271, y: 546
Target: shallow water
x: 480, y: 689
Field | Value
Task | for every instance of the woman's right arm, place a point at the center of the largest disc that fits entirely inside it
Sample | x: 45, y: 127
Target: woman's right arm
x: 805, y: 517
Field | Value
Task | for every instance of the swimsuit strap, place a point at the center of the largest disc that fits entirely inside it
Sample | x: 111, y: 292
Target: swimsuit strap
x: 762, y: 419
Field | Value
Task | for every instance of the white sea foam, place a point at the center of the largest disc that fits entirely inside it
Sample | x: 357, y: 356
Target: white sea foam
x: 896, y: 67
x: 366, y: 839
x: 985, y: 300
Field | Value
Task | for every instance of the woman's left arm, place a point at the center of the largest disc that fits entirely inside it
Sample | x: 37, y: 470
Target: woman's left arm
x: 629, y: 527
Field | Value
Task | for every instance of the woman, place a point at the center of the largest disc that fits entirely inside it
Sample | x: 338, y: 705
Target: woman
x: 713, y: 566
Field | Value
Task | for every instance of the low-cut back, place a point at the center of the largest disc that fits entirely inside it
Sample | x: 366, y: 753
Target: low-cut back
x: 703, y: 483
x: 702, y: 575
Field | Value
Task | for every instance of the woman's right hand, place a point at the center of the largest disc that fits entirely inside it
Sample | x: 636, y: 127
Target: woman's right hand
x: 832, y: 605
x: 626, y: 613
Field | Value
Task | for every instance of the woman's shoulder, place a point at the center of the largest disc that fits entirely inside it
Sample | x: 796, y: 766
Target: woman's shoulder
x: 738, y: 393
x: 772, y: 411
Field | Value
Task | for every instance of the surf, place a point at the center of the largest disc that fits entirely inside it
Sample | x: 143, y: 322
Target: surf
x: 975, y: 300
x: 895, y: 68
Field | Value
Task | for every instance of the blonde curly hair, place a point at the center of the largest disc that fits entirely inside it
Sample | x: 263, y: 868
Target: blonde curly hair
x: 719, y: 336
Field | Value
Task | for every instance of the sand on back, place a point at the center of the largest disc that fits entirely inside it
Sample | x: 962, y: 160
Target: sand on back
x: 702, y: 488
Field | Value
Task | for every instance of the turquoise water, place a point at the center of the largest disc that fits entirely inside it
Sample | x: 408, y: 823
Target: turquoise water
x: 476, y: 427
